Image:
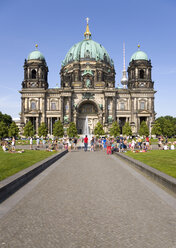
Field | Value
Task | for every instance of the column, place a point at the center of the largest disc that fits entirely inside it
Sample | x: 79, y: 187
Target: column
x: 152, y: 109
x: 43, y: 109
x: 28, y: 73
x: 22, y: 109
x: 114, y: 108
x: 62, y: 109
x: 132, y: 110
x: 28, y: 107
x: 70, y: 119
x: 95, y: 76
x: 106, y: 109
x: 136, y: 73
x: 37, y: 124
x: 51, y: 125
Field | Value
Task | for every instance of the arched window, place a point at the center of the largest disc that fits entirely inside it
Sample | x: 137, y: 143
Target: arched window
x: 142, y: 105
x: 53, y: 106
x: 122, y: 106
x: 105, y: 57
x: 87, y: 54
x: 33, y: 74
x: 33, y: 105
x: 141, y: 74
x: 88, y: 108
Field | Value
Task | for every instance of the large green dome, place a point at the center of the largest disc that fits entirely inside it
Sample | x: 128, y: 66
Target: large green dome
x: 139, y: 55
x: 36, y: 55
x: 85, y: 50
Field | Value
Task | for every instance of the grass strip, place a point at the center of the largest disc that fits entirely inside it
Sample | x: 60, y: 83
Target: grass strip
x: 164, y: 161
x: 11, y: 163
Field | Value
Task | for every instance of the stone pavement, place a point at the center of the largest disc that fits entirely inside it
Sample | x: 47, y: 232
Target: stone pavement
x: 89, y: 200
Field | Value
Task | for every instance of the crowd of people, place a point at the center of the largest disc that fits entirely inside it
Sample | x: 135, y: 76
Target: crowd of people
x: 119, y: 144
x: 122, y: 144
x: 109, y: 144
x: 8, y: 146
x: 164, y: 144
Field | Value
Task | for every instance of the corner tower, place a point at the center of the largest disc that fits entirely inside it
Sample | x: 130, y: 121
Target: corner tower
x: 141, y: 89
x: 139, y: 71
x: 34, y: 89
x: 35, y: 71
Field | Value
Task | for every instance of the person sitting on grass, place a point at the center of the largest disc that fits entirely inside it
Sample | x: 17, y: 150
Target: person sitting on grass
x: 144, y: 147
x: 172, y: 147
x: 165, y: 147
x: 4, y: 147
x: 160, y: 145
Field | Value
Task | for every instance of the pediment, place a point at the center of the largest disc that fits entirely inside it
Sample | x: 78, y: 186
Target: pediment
x: 144, y: 112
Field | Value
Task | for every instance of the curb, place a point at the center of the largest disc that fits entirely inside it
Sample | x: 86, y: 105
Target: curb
x: 165, y: 180
x: 11, y: 184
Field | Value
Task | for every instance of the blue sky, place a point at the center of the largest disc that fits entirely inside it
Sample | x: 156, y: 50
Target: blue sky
x: 57, y: 25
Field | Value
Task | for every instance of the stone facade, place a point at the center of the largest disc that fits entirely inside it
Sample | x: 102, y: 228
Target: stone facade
x: 87, y: 90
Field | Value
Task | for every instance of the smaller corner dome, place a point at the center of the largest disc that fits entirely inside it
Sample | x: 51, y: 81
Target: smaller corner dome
x: 139, y: 55
x: 36, y: 55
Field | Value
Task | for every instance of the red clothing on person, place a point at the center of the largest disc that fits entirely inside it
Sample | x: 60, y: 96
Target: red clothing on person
x: 86, y: 140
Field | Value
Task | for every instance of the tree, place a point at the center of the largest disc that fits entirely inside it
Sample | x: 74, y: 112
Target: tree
x: 156, y: 129
x: 58, y: 129
x: 13, y: 130
x: 143, y: 130
x: 72, y: 130
x: 99, y: 129
x: 115, y: 129
x: 168, y: 125
x: 42, y: 131
x: 168, y: 128
x: 7, y: 119
x: 3, y: 130
x: 29, y: 129
x: 126, y: 129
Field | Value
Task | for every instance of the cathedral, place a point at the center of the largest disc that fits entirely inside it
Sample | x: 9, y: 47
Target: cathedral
x: 87, y: 90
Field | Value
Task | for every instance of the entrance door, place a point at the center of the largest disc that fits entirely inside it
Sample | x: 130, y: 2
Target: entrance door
x: 87, y: 112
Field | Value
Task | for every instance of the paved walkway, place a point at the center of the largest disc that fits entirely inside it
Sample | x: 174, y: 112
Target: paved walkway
x: 89, y: 200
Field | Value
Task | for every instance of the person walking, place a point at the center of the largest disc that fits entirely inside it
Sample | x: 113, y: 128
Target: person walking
x: 147, y: 142
x: 104, y: 143
x: 38, y: 143
x: 75, y: 143
x: 13, y: 144
x: 85, y: 143
x: 30, y: 142
x: 133, y: 145
x: 69, y: 145
x: 108, y: 144
x: 92, y: 144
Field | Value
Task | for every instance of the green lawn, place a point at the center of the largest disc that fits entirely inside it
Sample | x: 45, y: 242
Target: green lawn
x: 11, y: 163
x: 161, y: 160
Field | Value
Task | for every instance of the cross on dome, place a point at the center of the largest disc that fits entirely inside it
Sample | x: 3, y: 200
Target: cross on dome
x: 87, y: 34
x: 87, y: 19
